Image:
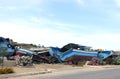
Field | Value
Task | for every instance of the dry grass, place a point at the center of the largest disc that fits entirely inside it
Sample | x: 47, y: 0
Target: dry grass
x: 6, y: 70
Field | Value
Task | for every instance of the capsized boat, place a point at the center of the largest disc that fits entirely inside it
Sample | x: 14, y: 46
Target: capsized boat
x: 78, y: 51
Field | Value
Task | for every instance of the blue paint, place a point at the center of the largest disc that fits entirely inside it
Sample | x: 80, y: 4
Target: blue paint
x: 5, y: 43
x: 61, y: 56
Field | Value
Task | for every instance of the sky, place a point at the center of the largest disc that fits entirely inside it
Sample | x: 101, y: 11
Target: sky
x: 94, y: 23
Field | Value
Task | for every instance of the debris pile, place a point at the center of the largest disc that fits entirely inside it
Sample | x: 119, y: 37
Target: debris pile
x: 70, y: 54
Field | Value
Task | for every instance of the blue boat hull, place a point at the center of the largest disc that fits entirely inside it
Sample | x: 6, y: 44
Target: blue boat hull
x: 62, y: 56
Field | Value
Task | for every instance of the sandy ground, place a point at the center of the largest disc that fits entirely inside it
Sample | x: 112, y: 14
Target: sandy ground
x: 40, y: 67
x: 54, y: 67
x: 59, y: 68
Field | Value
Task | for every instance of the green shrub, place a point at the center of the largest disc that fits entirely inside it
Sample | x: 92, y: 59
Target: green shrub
x: 6, y: 70
x: 116, y: 61
x: 0, y: 60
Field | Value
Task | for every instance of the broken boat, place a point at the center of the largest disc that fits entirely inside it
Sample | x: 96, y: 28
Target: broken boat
x: 75, y: 53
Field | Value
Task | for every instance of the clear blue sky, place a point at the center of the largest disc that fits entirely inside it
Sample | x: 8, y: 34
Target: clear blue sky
x: 94, y: 23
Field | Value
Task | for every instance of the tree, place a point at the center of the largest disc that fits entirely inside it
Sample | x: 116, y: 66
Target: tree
x: 3, y: 53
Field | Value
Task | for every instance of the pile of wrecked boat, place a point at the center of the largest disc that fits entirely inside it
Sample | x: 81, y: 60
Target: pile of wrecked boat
x: 69, y: 54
